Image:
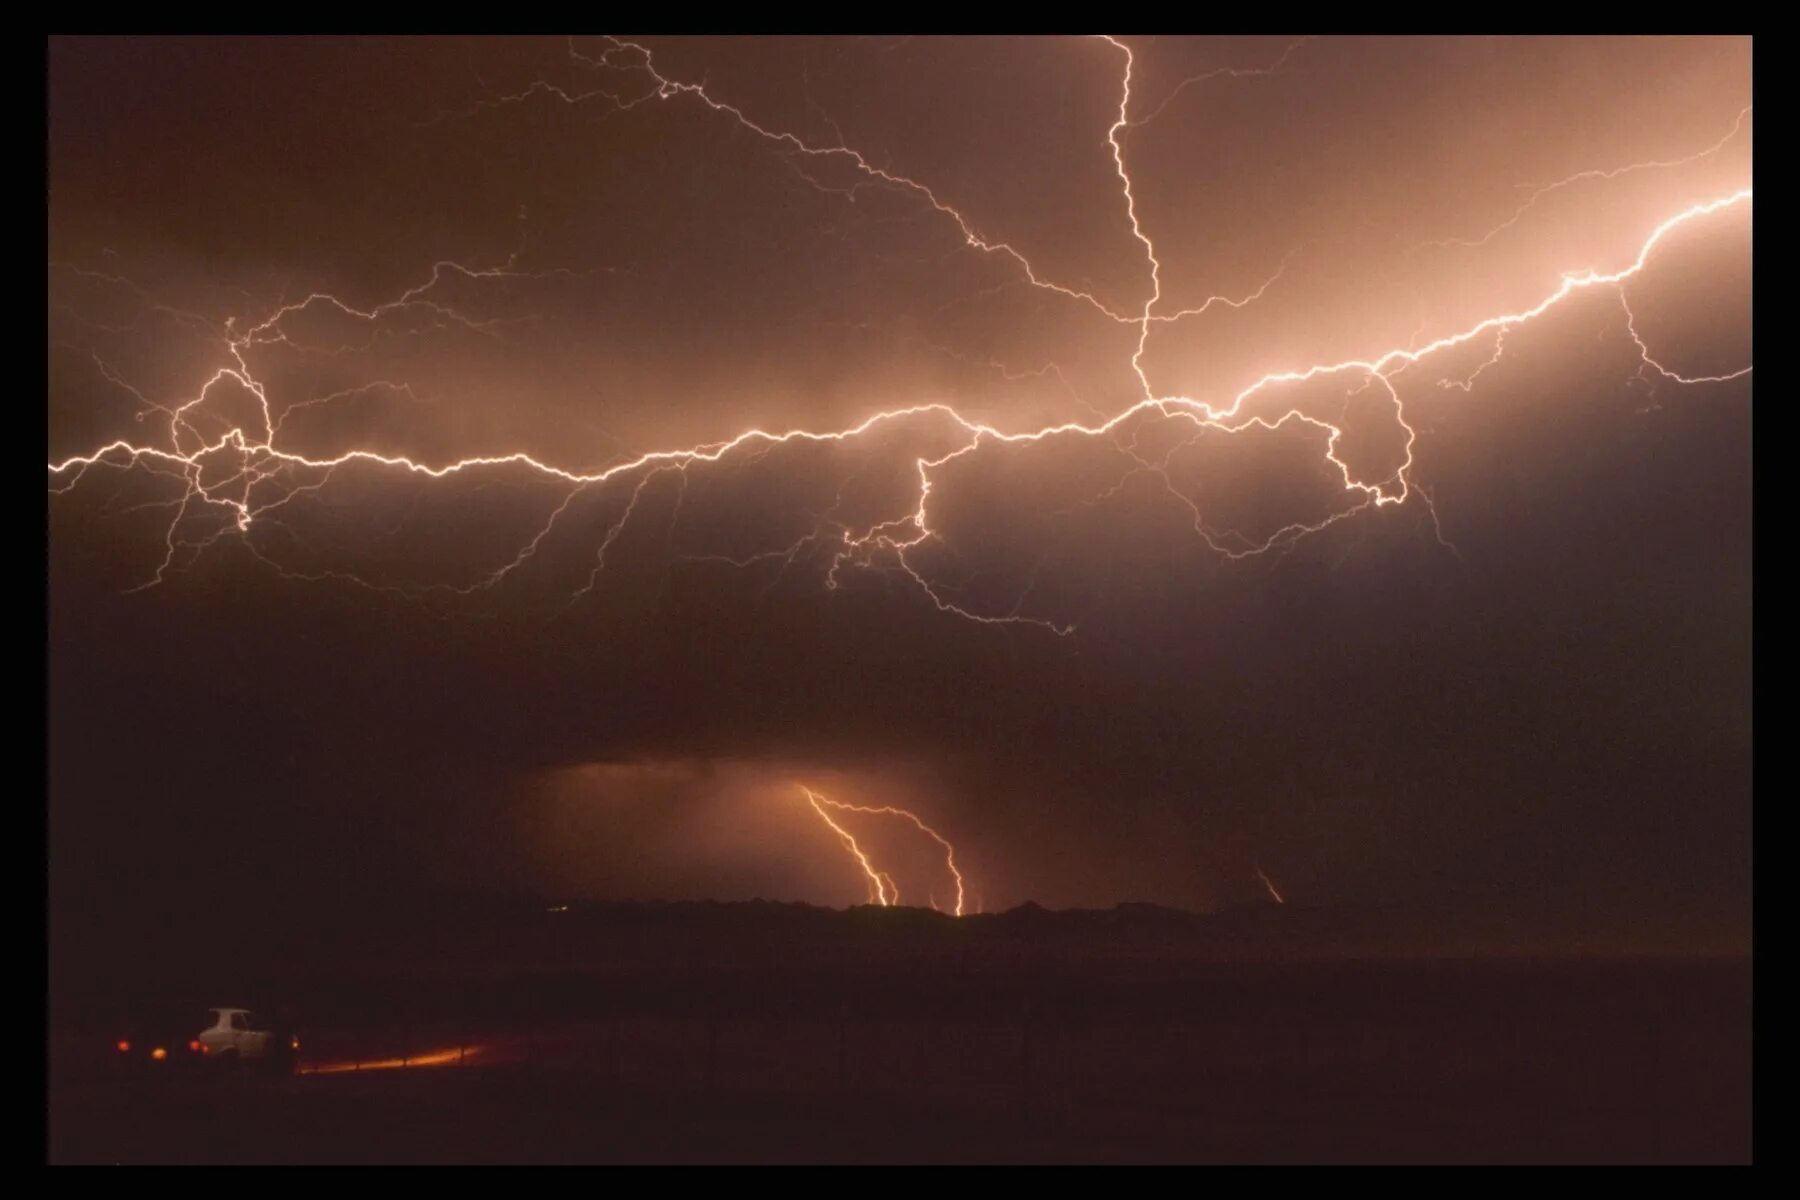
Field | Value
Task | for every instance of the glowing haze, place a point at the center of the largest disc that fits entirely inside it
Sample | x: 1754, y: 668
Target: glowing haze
x: 961, y: 340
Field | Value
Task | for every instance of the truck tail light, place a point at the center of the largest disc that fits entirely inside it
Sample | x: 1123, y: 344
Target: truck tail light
x: 124, y: 1047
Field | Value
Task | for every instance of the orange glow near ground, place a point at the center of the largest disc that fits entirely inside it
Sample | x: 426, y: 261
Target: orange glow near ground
x: 455, y: 1056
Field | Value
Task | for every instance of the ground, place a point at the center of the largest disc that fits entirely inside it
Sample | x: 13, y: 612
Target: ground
x: 1516, y: 1061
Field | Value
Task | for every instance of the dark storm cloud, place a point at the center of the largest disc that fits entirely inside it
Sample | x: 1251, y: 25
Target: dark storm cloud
x: 1559, y: 705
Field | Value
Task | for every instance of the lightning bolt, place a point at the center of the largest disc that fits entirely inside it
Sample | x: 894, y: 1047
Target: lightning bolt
x: 882, y: 889
x: 1541, y: 191
x: 1269, y: 886
x: 231, y: 475
x: 1273, y: 68
x: 1666, y: 372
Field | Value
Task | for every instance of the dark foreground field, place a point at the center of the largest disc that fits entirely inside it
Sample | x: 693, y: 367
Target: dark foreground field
x: 1008, y: 1051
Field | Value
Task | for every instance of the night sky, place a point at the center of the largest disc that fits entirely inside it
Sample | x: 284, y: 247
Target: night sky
x: 1180, y: 641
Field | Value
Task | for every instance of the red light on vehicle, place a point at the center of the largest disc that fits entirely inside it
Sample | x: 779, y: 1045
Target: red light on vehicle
x: 159, y: 1054
x: 124, y: 1047
x: 196, y: 1047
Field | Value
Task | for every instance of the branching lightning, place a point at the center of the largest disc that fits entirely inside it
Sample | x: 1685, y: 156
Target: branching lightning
x: 1221, y: 73
x: 1539, y: 192
x: 882, y: 889
x: 229, y: 475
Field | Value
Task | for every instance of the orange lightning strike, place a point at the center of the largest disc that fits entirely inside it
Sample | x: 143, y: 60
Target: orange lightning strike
x: 237, y: 475
x: 1269, y: 886
x: 1584, y: 176
x: 882, y: 889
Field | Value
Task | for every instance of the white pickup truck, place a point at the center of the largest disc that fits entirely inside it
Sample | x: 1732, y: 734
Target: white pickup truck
x: 234, y: 1036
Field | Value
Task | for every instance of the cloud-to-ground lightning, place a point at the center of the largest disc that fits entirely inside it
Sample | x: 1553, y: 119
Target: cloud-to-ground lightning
x: 1269, y: 886
x: 882, y: 889
x: 229, y: 474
